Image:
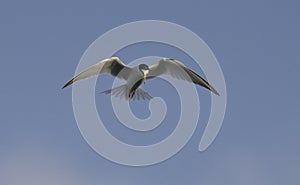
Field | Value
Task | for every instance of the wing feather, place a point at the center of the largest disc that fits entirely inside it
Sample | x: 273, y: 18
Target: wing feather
x: 112, y: 65
x: 178, y: 70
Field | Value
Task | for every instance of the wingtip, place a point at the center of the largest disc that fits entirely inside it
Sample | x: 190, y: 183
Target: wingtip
x: 64, y: 86
x: 67, y: 84
x: 215, y: 91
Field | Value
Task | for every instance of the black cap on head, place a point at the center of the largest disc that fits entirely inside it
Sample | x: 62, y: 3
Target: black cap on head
x: 143, y: 67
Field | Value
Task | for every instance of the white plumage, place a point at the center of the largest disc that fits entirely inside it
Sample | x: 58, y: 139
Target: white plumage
x: 137, y: 75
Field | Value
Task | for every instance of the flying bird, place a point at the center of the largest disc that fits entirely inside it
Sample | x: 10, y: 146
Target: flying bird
x: 135, y: 76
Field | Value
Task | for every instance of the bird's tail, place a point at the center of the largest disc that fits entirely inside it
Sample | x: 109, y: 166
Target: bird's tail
x: 141, y: 94
x: 123, y: 92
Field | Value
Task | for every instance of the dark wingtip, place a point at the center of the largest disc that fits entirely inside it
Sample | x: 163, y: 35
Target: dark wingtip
x: 216, y: 93
x: 205, y: 84
x: 67, y: 84
x: 213, y: 90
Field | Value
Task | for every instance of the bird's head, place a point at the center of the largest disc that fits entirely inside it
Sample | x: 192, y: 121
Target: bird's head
x: 144, y: 70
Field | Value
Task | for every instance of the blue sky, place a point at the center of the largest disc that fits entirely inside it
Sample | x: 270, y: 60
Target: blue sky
x: 255, y: 42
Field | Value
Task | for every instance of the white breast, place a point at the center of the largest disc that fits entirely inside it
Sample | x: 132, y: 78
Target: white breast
x: 134, y: 76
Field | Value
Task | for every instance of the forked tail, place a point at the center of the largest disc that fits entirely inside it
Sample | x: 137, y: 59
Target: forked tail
x: 123, y: 92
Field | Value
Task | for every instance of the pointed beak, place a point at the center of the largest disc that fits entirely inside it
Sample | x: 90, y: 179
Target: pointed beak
x: 145, y: 75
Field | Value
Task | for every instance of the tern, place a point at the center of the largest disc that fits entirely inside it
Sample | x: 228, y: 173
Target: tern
x: 135, y: 76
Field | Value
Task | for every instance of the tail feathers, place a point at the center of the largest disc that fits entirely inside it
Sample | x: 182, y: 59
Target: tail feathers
x: 122, y: 92
x: 141, y: 94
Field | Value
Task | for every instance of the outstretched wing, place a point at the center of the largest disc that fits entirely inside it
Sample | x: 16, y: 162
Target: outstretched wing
x: 111, y: 65
x: 178, y: 70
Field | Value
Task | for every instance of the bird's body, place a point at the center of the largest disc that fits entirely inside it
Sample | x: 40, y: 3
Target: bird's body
x: 137, y: 75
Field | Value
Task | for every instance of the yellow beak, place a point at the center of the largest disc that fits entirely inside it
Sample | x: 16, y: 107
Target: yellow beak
x: 145, y: 77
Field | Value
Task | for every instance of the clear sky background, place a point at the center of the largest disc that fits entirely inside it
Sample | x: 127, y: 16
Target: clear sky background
x: 255, y: 42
